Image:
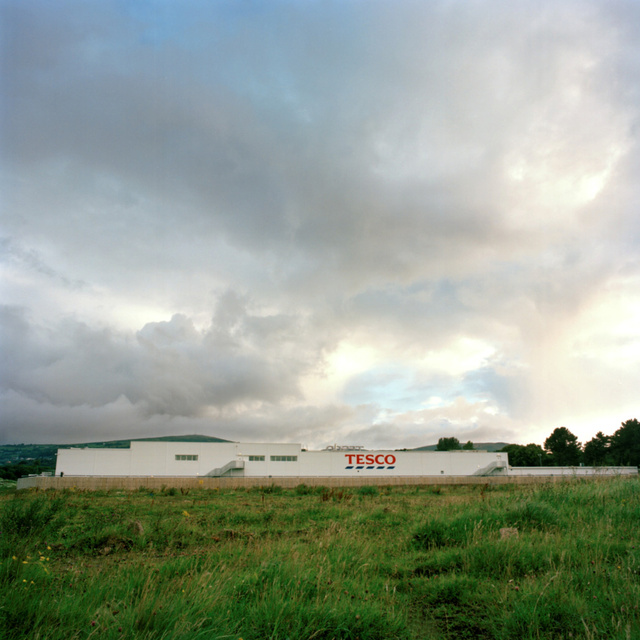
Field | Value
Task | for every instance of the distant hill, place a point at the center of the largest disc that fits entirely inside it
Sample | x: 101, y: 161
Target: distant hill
x: 14, y: 453
x: 123, y: 444
x: 46, y: 453
x: 482, y: 446
x: 192, y: 438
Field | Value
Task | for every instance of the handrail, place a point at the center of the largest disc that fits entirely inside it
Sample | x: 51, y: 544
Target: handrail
x: 220, y: 471
x: 491, y: 467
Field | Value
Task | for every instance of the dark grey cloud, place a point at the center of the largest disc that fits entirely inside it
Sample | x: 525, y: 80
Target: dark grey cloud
x: 166, y: 367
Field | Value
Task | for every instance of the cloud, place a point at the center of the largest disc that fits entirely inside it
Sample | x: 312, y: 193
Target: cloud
x: 267, y: 217
x: 166, y: 367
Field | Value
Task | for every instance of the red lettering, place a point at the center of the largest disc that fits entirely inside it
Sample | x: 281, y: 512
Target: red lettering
x: 370, y: 458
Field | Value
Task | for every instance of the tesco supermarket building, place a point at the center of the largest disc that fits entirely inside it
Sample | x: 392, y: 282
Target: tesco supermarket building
x: 158, y: 464
x: 262, y: 460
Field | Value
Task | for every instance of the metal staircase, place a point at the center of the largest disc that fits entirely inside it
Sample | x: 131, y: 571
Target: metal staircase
x: 497, y: 465
x: 230, y: 466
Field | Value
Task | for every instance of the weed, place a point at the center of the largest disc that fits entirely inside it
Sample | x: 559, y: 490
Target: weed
x: 532, y: 514
x: 337, y: 495
x: 22, y: 519
x: 303, y: 490
x: 444, y: 533
x: 268, y: 489
x: 368, y: 490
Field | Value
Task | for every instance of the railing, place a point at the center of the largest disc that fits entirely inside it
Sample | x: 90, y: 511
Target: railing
x: 491, y: 467
x: 220, y: 471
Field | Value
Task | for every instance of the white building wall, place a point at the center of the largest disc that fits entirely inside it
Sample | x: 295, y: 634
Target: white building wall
x: 270, y: 468
x: 159, y: 458
x: 93, y: 462
x: 396, y: 463
x: 148, y: 458
x: 119, y: 459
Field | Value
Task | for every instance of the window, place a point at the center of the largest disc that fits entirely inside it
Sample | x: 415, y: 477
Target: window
x: 186, y: 457
x: 284, y: 458
x: 256, y: 458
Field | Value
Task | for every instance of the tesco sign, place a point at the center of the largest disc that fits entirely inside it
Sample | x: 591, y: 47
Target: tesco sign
x: 370, y: 461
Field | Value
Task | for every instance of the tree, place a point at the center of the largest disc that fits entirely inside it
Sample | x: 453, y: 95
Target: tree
x: 531, y: 455
x: 597, y: 450
x: 534, y: 455
x: 563, y: 447
x: 468, y: 446
x: 448, y: 444
x: 513, y: 451
x: 625, y: 444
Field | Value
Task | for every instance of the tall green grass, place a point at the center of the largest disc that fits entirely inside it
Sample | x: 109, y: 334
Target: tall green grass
x: 367, y: 563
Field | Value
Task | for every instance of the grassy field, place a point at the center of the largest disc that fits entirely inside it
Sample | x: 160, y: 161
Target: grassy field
x: 409, y: 563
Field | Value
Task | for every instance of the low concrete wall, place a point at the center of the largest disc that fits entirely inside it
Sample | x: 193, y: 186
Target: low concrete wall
x: 106, y: 483
x: 573, y: 471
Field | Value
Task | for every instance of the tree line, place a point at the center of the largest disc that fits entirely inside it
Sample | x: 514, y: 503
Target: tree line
x: 15, y: 470
x: 562, y: 449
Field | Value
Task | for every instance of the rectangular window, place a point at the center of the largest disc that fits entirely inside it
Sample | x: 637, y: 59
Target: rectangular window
x: 284, y: 458
x: 256, y: 458
x: 186, y: 457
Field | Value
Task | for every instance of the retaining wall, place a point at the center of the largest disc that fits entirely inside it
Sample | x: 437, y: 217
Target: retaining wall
x: 105, y: 483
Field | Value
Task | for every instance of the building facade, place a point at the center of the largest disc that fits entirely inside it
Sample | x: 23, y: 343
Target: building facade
x: 271, y: 460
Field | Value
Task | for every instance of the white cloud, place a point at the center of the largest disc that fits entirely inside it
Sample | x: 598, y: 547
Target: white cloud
x: 311, y: 221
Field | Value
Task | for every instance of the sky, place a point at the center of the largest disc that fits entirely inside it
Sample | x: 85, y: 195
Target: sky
x: 367, y: 222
